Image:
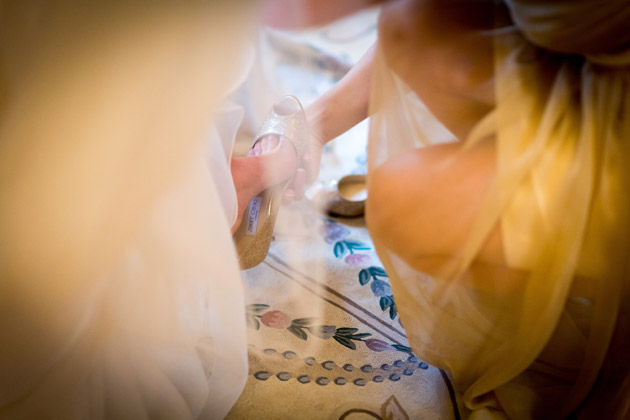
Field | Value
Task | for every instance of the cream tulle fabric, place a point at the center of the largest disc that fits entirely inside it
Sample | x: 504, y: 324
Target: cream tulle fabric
x: 551, y: 344
x: 120, y: 295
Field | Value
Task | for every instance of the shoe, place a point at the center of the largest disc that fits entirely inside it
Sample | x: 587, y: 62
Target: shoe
x: 344, y: 198
x: 254, y: 235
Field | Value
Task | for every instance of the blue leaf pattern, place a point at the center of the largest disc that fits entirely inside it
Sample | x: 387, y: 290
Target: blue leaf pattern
x: 386, y: 302
x: 364, y: 277
x: 340, y: 249
x: 336, y: 233
x: 377, y: 271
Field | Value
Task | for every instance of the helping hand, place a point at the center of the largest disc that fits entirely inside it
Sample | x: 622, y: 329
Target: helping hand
x: 308, y: 168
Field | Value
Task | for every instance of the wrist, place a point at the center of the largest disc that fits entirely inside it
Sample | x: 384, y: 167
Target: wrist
x: 318, y: 121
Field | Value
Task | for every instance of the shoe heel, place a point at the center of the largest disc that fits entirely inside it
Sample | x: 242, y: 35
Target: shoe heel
x: 254, y: 235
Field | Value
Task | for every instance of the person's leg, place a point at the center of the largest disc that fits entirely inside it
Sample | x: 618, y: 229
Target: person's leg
x: 271, y: 161
x: 422, y: 205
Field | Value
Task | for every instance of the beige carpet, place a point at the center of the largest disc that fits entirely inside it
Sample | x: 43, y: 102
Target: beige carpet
x: 325, y: 339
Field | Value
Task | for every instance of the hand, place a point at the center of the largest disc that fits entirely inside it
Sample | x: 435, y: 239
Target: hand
x: 308, y: 167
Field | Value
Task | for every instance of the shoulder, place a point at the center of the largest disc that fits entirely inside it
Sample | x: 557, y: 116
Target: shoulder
x: 439, y: 44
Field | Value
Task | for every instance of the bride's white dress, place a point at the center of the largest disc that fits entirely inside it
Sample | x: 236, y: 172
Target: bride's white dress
x: 120, y: 292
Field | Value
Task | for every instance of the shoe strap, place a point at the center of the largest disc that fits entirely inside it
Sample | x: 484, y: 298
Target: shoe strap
x: 294, y: 127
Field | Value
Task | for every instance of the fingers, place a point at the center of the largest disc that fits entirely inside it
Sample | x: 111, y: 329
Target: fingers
x: 307, y: 165
x: 307, y: 172
x: 295, y: 192
x: 287, y: 198
x: 299, y: 180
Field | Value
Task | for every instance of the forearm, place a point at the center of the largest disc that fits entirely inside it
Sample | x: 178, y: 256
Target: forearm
x: 345, y: 104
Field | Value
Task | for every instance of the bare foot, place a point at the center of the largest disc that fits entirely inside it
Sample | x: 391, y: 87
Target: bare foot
x: 270, y: 162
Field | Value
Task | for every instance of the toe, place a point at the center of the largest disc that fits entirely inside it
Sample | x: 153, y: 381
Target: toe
x: 257, y: 148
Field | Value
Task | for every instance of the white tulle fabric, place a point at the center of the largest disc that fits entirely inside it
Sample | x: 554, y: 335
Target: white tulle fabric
x: 550, y: 345
x: 120, y: 291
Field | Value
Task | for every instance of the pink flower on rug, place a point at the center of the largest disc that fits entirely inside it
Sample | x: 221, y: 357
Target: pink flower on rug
x: 377, y: 345
x: 359, y: 260
x: 276, y: 319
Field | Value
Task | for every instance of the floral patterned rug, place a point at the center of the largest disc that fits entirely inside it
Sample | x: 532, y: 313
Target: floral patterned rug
x: 325, y: 338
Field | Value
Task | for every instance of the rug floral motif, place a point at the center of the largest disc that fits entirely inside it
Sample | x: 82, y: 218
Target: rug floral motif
x: 335, y: 233
x: 261, y: 314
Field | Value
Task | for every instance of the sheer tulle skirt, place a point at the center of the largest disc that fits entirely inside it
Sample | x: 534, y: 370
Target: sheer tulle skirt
x: 121, y: 295
x: 562, y: 130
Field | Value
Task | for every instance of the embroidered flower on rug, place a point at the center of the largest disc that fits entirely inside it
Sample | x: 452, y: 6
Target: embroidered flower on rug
x: 276, y: 319
x: 358, y: 260
x: 323, y: 331
x: 344, y: 336
x: 375, y: 344
x: 380, y: 288
x: 333, y: 232
x: 348, y: 337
